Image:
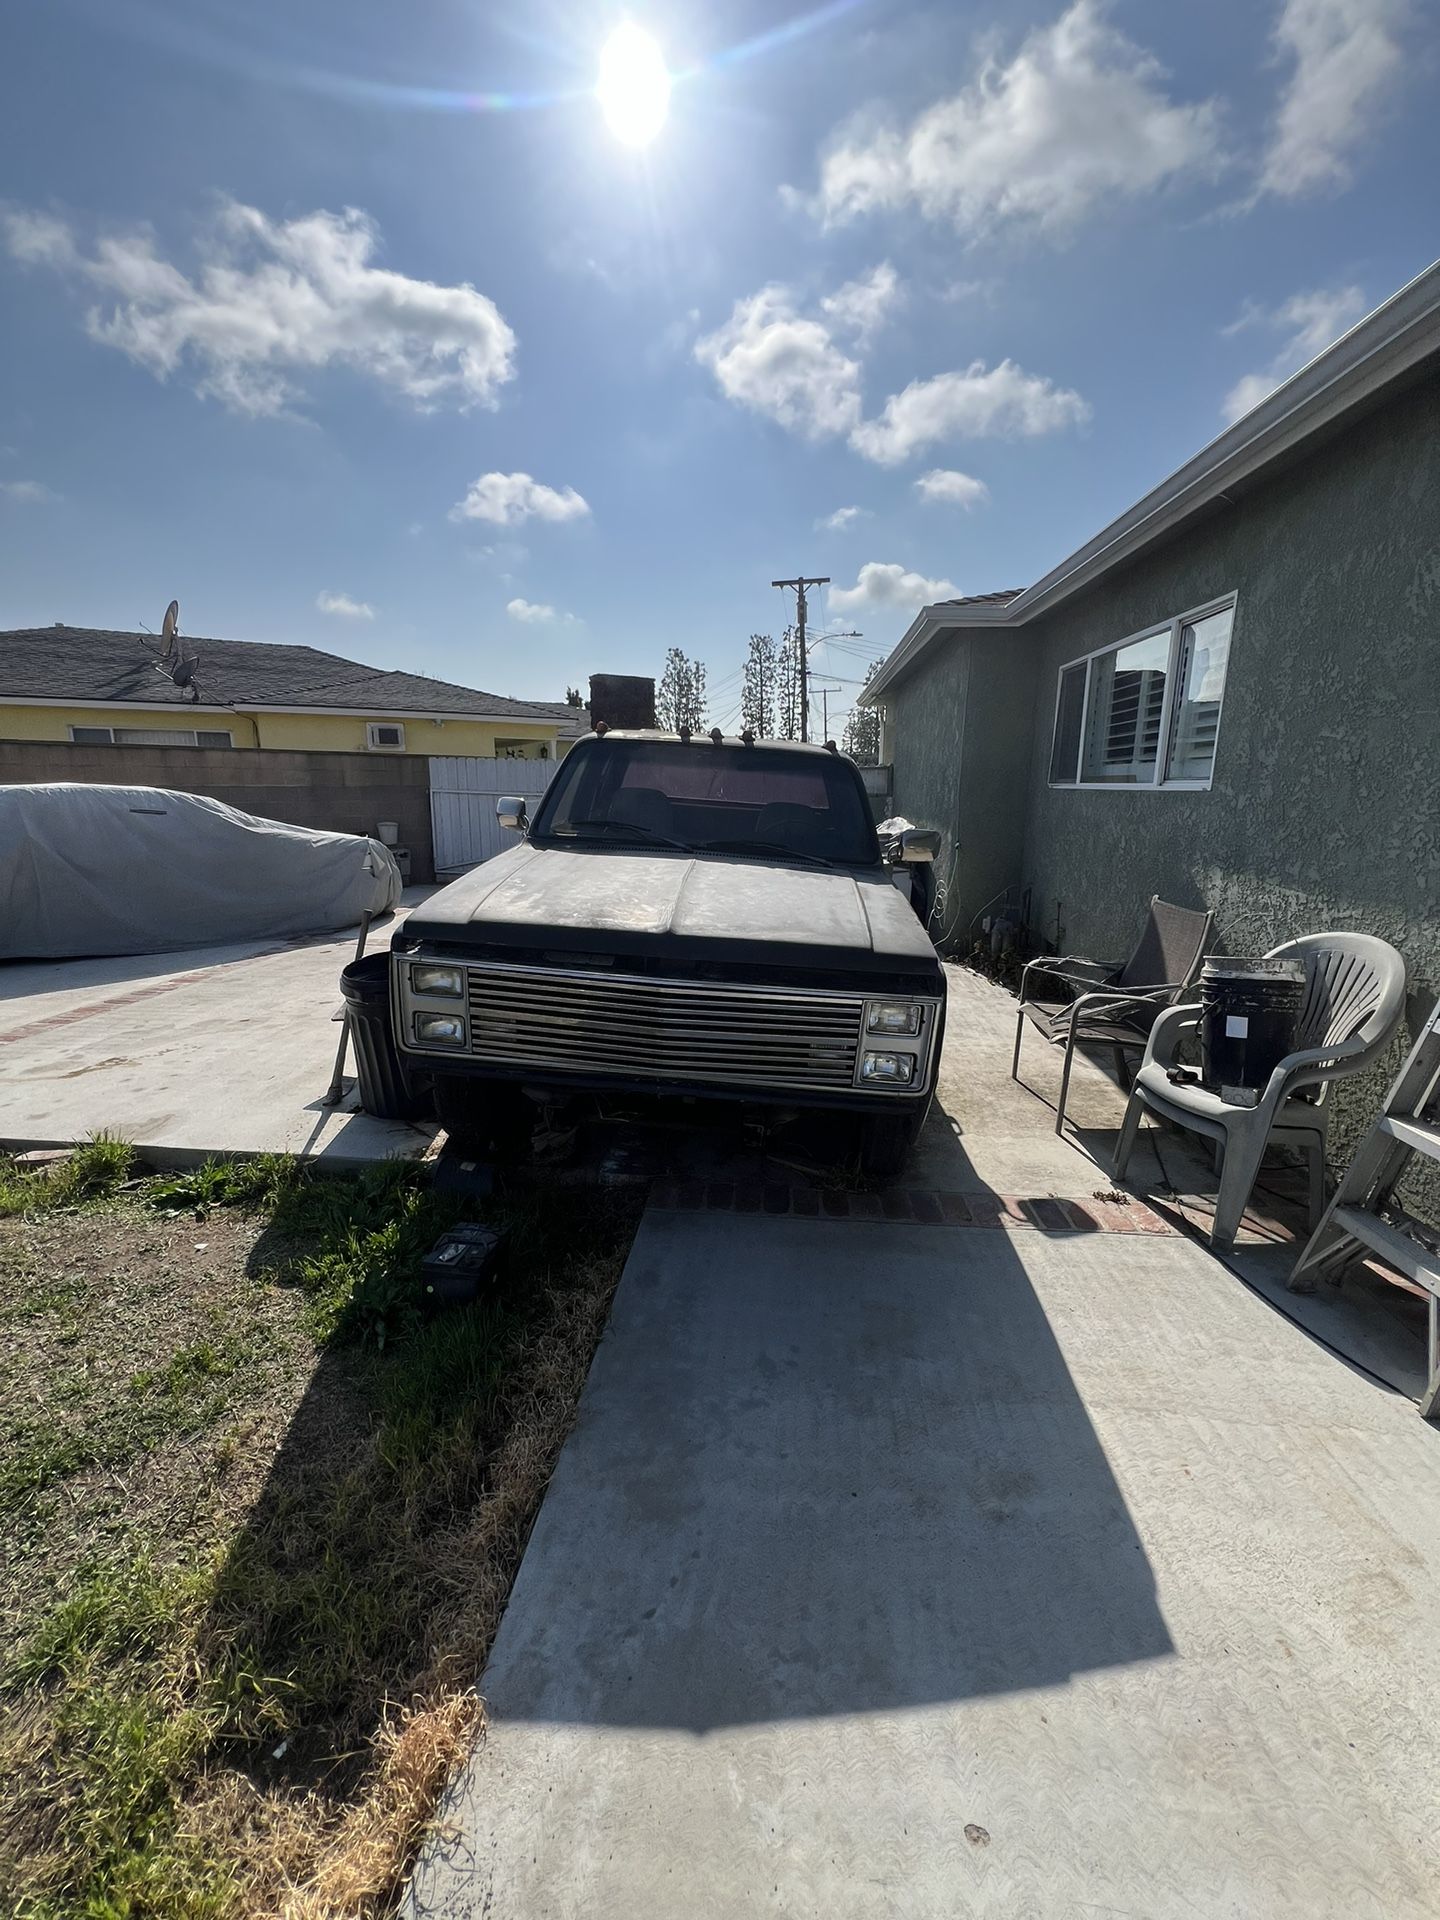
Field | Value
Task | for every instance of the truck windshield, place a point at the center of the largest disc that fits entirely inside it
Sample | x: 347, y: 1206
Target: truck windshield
x: 701, y: 797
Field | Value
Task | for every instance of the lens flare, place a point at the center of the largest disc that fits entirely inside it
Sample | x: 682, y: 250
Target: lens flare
x: 633, y: 86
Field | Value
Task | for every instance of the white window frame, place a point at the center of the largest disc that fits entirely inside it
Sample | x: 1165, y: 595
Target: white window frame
x: 184, y: 737
x: 1159, y: 784
x: 374, y: 745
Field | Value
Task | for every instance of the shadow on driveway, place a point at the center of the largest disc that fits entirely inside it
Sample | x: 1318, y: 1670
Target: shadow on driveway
x: 822, y: 1469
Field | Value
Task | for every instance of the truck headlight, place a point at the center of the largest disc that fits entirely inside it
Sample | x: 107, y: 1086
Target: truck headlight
x: 440, y: 1029
x: 896, y: 1068
x: 901, y: 1018
x: 445, y: 982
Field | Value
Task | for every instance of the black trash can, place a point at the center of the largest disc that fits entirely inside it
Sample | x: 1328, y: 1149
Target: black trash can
x: 1250, y: 1009
x: 386, y: 1087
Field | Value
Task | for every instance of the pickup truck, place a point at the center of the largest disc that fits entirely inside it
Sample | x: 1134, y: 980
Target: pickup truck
x: 688, y: 915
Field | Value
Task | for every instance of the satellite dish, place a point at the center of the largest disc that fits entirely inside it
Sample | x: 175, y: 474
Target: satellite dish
x: 183, y: 666
x: 169, y: 627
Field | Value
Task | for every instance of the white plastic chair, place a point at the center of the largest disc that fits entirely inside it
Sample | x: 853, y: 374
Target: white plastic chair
x: 1354, y: 997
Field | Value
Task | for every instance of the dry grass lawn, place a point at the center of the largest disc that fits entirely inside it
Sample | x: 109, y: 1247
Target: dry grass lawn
x: 259, y: 1515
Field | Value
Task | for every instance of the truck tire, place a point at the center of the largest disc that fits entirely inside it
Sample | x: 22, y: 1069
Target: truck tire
x: 885, y: 1143
x: 482, y: 1116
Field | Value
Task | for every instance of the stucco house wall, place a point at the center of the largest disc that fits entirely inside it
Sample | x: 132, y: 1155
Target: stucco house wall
x: 1325, y: 803
x: 1324, y: 809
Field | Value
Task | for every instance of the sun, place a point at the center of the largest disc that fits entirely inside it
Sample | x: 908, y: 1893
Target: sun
x: 633, y: 87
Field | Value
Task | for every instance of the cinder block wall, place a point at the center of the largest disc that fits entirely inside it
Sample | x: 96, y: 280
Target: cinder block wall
x: 345, y: 792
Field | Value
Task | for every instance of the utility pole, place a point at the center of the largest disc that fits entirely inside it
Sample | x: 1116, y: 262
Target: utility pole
x: 798, y: 586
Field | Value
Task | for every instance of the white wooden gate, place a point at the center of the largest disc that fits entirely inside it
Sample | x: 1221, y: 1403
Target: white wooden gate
x: 462, y: 805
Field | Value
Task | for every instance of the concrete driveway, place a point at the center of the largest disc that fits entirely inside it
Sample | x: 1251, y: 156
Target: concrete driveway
x: 949, y: 1558
x: 209, y: 1050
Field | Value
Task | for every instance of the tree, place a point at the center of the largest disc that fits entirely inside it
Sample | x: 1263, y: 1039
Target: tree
x: 758, y: 687
x: 573, y: 697
x: 862, y: 729
x: 681, y: 700
x: 787, y: 688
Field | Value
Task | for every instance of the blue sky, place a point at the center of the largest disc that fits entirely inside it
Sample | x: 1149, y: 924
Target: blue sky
x: 355, y: 324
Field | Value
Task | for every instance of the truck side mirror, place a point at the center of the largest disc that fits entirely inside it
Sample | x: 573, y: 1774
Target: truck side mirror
x: 919, y: 845
x: 510, y: 812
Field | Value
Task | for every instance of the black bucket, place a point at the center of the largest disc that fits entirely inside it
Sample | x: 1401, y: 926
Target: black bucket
x: 386, y: 1088
x: 1250, y: 1009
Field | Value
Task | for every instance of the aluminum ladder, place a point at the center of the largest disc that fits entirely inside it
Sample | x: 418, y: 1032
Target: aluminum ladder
x: 1408, y: 1123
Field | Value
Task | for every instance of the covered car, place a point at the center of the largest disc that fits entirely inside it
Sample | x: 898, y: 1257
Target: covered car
x: 101, y: 869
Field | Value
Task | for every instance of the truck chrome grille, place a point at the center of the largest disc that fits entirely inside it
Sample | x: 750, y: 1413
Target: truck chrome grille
x: 662, y: 1029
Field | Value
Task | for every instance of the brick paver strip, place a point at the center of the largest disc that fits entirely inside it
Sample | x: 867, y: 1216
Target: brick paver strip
x: 1046, y: 1212
x: 1082, y: 1218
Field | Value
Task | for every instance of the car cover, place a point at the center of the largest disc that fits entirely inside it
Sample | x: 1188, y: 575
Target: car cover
x: 92, y: 869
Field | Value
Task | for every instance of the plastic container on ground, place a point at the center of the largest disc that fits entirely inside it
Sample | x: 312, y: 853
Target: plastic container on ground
x: 386, y: 1088
x: 1250, y: 1008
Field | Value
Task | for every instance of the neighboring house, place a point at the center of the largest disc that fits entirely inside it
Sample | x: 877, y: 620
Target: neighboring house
x: 89, y: 687
x: 1230, y: 697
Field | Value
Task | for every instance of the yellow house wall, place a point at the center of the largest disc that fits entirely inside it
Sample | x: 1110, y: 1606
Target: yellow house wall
x: 301, y: 732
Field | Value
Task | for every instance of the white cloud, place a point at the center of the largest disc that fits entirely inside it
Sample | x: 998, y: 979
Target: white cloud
x: 272, y: 301
x: 1078, y: 118
x: 28, y: 493
x: 841, y: 518
x: 38, y: 239
x: 861, y: 307
x: 532, y: 613
x: 1000, y: 402
x: 951, y: 489
x: 507, y: 499
x: 773, y: 360
x: 1311, y: 322
x: 883, y: 587
x: 1346, y: 54
x: 779, y: 362
x: 346, y: 608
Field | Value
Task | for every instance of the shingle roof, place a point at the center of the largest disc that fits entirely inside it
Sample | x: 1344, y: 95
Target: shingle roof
x: 96, y: 664
x: 996, y: 599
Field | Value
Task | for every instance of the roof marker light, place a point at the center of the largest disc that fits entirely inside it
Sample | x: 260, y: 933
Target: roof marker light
x: 748, y: 736
x: 717, y: 736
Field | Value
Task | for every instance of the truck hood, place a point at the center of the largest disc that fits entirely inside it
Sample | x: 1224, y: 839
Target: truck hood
x: 614, y: 901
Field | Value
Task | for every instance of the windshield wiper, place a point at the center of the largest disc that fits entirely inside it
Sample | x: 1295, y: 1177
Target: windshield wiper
x: 760, y: 846
x: 629, y: 827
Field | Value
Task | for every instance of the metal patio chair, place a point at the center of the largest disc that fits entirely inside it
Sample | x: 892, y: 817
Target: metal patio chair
x: 1354, y: 997
x: 1075, y: 1002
